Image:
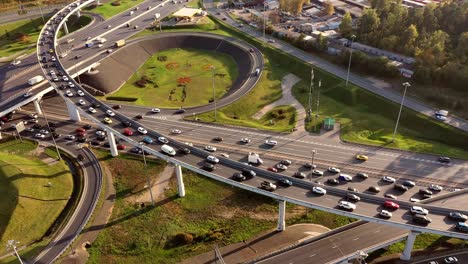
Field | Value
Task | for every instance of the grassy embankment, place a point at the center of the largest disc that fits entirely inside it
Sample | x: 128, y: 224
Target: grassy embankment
x: 165, y: 85
x: 107, y: 10
x: 29, y: 204
x: 211, y: 212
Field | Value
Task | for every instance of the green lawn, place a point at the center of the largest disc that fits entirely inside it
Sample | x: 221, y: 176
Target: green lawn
x: 29, y: 205
x: 10, y: 36
x: 211, y: 212
x: 107, y: 10
x: 164, y: 88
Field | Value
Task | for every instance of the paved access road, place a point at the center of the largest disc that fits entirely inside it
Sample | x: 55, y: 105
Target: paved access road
x: 341, y: 72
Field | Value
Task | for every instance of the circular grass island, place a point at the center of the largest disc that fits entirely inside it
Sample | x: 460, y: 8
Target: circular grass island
x: 179, y: 77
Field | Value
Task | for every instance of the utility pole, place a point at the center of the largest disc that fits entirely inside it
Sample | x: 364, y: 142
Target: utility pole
x: 318, y: 102
x: 350, y: 56
x: 147, y: 177
x: 214, y: 93
x: 311, y: 87
x: 11, y: 244
x: 406, y: 85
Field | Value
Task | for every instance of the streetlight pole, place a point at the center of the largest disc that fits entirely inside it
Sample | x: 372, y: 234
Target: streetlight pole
x: 264, y: 19
x: 50, y: 131
x: 42, y: 15
x: 310, y: 93
x: 406, y: 85
x: 214, y: 94
x: 147, y: 177
x: 313, y: 157
x: 12, y: 244
x: 350, y: 56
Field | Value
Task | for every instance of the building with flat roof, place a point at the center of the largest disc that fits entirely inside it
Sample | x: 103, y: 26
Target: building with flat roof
x: 187, y: 13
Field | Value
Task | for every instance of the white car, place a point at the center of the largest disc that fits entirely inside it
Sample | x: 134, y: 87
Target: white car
x: 53, y: 58
x: 176, y: 131
x: 280, y: 166
x: 245, y: 140
x: 109, y: 51
x: 435, y: 187
x: 271, y: 41
x: 346, y: 205
x: 80, y: 93
x: 334, y: 170
x: 33, y: 115
x: 82, y: 102
x: 270, y: 142
x: 110, y: 113
x: 163, y: 140
x: 317, y: 172
x: 224, y: 155
x: 100, y: 45
x: 43, y: 131
x: 419, y: 210
x: 385, y: 213
x: 189, y: 144
x: 92, y: 110
x: 142, y: 130
x: 71, y: 85
x: 388, y: 179
x: 210, y: 148
x: 109, y: 26
x: 68, y: 93
x: 345, y: 177
x: 39, y: 135
x: 65, y: 78
x: 212, y: 159
x: 319, y: 190
x: 70, y: 137
x: 28, y: 94
x: 52, y: 72
x: 100, y: 133
x: 155, y: 110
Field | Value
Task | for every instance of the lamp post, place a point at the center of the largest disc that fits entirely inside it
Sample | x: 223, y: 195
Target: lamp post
x: 264, y: 19
x: 42, y: 15
x: 313, y: 157
x: 214, y: 94
x: 50, y: 131
x: 147, y: 177
x: 310, y: 93
x: 12, y: 244
x: 350, y: 56
x: 406, y: 85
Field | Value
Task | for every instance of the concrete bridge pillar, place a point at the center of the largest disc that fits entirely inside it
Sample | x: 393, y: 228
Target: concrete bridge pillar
x: 65, y: 27
x: 98, y: 2
x: 180, y: 180
x: 73, y: 111
x: 78, y: 13
x: 281, y: 215
x: 37, y: 106
x: 112, y: 144
x: 406, y: 255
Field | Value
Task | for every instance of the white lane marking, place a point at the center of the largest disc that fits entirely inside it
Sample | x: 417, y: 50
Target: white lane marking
x: 310, y: 256
x: 355, y: 238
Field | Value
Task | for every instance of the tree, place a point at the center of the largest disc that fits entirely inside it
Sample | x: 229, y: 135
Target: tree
x: 408, y: 39
x: 367, y: 26
x: 322, y: 42
x: 346, y: 25
x: 329, y: 8
x: 462, y: 48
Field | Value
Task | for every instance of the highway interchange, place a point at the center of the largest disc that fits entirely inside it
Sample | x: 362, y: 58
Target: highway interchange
x: 419, y: 167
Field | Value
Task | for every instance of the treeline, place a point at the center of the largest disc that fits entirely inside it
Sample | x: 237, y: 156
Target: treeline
x: 437, y: 36
x: 8, y: 5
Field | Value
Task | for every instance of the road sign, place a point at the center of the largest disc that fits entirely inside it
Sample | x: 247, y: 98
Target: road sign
x: 20, y: 127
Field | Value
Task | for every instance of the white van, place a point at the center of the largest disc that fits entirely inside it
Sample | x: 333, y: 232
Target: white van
x: 168, y: 150
x: 257, y: 72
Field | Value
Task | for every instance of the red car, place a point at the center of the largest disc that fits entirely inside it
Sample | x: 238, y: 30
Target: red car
x: 121, y: 147
x: 391, y: 205
x: 273, y: 169
x: 128, y: 132
x: 80, y: 131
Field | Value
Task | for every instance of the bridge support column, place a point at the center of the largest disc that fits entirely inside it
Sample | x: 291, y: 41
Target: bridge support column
x: 78, y: 14
x: 73, y: 111
x: 98, y: 2
x: 113, y: 146
x: 37, y: 106
x: 281, y: 215
x: 65, y: 28
x: 406, y: 255
x: 180, y: 180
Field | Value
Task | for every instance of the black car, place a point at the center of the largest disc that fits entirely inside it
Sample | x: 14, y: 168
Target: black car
x: 126, y: 124
x: 444, y: 159
x: 208, y: 166
x: 400, y: 187
x: 238, y: 177
x: 309, y: 165
x: 101, y: 137
x: 55, y: 135
x: 458, y: 216
x: 87, y: 126
x: 362, y: 175
x: 353, y: 197
x: 96, y: 105
x: 37, y: 126
x: 107, y: 145
x: 421, y: 219
x: 409, y: 184
x: 139, y: 117
x: 81, y: 139
x: 248, y: 173
x: 51, y: 124
x: 219, y: 139
x: 180, y: 111
x: 424, y: 191
x: 285, y: 182
x: 332, y: 181
x: 184, y: 151
x: 77, y: 57
x: 95, y: 143
x: 374, y: 189
x: 116, y: 107
x: 352, y: 189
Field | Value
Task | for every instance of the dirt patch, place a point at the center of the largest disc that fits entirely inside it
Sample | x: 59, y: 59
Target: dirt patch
x: 172, y: 65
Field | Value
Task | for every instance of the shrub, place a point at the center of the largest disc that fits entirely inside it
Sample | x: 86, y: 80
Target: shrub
x: 121, y: 98
x: 141, y: 83
x: 115, y: 3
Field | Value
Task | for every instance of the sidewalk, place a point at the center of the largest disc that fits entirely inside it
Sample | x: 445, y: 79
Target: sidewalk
x: 263, y: 245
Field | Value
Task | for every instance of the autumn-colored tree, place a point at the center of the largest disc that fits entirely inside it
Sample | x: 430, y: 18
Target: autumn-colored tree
x: 329, y: 8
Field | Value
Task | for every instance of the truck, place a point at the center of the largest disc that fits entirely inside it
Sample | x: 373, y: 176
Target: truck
x: 89, y: 44
x: 157, y: 15
x: 120, y: 43
x: 35, y: 79
x: 254, y: 158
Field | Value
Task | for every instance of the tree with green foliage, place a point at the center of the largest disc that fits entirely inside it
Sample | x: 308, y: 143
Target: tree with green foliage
x: 322, y: 42
x: 367, y: 26
x: 408, y: 39
x: 346, y: 25
x: 462, y: 48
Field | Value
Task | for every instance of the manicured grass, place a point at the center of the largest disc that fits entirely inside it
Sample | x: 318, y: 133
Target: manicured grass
x: 10, y: 41
x: 164, y: 88
x: 107, y: 10
x: 211, y: 212
x: 28, y: 204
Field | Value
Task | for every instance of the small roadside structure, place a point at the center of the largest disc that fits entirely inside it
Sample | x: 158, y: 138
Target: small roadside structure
x: 329, y: 123
x: 187, y: 13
